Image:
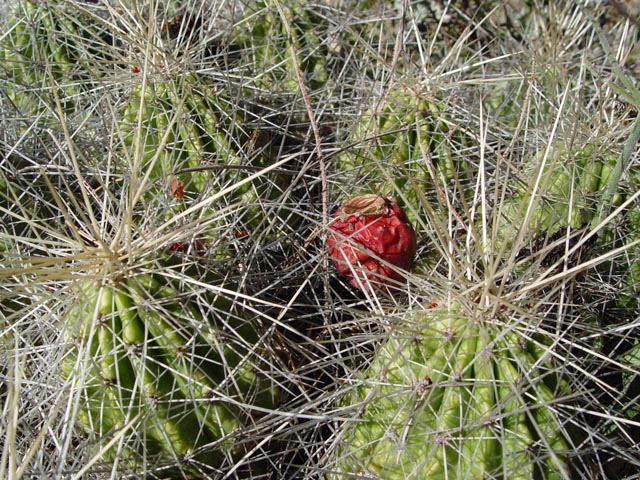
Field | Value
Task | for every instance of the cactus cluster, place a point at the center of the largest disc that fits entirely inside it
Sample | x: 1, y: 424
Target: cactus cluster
x: 168, y: 369
x: 471, y: 388
x: 456, y: 393
x: 171, y: 225
x: 175, y: 378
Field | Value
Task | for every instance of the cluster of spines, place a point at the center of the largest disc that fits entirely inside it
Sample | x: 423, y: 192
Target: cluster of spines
x: 459, y: 397
x: 163, y: 372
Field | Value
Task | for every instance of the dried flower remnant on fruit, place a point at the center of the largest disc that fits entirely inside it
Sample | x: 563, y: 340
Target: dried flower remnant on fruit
x: 369, y: 239
x: 365, y: 205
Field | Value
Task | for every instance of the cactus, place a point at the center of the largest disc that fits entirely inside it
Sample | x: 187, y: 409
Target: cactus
x: 183, y: 131
x: 262, y: 35
x: 457, y: 396
x: 402, y: 149
x: 45, y: 55
x: 140, y: 132
x: 458, y: 392
x: 176, y: 125
x: 173, y: 377
x: 559, y: 193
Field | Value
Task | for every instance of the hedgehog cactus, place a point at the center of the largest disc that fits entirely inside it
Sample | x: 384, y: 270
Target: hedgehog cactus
x: 263, y: 36
x: 176, y: 125
x: 556, y: 191
x: 402, y: 149
x: 182, y: 131
x: 45, y: 52
x: 166, y: 377
x: 457, y: 396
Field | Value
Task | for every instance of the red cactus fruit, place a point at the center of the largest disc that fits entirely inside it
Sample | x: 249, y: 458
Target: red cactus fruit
x: 369, y: 239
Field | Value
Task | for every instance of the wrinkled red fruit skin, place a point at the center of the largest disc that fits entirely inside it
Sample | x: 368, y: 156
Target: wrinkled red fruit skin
x: 369, y: 235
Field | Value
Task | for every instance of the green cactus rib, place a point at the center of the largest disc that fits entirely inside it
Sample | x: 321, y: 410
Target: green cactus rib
x: 555, y: 190
x: 145, y: 361
x: 46, y: 50
x: 456, y: 398
x: 262, y: 38
x: 402, y: 148
x: 182, y: 128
